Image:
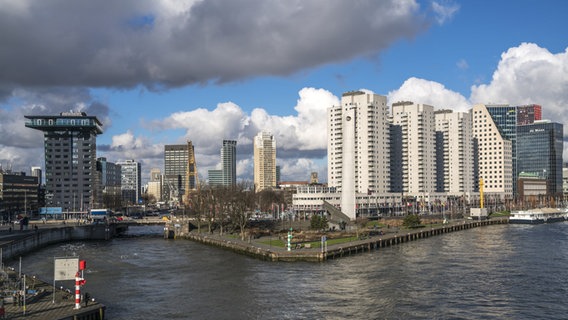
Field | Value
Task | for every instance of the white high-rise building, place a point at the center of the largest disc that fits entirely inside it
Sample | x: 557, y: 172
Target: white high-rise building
x: 495, y: 152
x: 264, y: 161
x: 418, y: 145
x: 358, y: 147
x: 458, y: 164
x: 131, y: 181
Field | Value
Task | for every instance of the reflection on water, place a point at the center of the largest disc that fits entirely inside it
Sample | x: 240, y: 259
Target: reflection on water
x: 506, y: 272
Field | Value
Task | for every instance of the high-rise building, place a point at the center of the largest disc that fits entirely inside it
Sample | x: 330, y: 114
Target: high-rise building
x: 70, y: 158
x: 494, y: 127
x: 456, y: 165
x: 539, y: 152
x: 229, y: 162
x: 264, y: 161
x: 18, y: 195
x: 418, y: 146
x: 111, y: 182
x: 131, y: 181
x: 215, y: 177
x: 175, y: 170
x: 357, y: 147
x: 227, y: 175
x: 528, y: 114
x: 36, y: 172
x: 180, y: 171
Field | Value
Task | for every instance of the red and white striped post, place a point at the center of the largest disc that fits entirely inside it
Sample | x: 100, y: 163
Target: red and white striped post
x: 78, y: 291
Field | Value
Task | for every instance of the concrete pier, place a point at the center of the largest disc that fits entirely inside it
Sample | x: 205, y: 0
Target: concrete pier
x: 44, y: 301
x: 264, y: 252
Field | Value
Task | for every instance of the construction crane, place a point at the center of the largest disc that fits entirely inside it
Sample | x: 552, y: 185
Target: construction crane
x: 191, y: 176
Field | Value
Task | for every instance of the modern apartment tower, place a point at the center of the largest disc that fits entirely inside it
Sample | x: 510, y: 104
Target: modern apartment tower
x: 494, y: 127
x: 131, y: 181
x: 417, y: 146
x: 264, y: 161
x: 229, y: 162
x: 70, y: 141
x: 457, y: 154
x: 227, y: 175
x: 357, y: 147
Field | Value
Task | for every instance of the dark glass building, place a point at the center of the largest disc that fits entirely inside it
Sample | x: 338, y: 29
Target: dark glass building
x: 539, y: 152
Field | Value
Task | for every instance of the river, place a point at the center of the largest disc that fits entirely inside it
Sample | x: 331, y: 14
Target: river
x: 501, y: 271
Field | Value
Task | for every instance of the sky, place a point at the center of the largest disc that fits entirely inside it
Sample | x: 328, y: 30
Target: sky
x: 168, y: 71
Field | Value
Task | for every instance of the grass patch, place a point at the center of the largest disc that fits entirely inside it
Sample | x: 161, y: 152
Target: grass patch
x: 313, y: 244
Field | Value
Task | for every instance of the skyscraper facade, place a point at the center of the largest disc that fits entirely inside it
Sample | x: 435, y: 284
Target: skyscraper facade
x: 539, y: 152
x: 175, y: 170
x: 357, y: 147
x: 111, y: 181
x: 70, y: 158
x: 495, y: 140
x: 264, y: 161
x: 418, y: 140
x: 131, y: 181
x: 457, y: 153
x: 358, y: 142
x: 229, y: 162
x: 180, y: 171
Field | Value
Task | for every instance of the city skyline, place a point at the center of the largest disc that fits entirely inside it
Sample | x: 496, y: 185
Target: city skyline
x: 150, y: 86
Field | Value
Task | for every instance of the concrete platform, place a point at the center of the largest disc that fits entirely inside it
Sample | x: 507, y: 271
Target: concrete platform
x: 44, y: 305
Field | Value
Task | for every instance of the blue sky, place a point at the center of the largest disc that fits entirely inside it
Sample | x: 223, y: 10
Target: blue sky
x: 163, y: 72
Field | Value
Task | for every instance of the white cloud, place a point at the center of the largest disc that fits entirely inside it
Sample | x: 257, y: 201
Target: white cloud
x: 529, y: 74
x: 303, y: 134
x: 444, y: 11
x: 429, y: 92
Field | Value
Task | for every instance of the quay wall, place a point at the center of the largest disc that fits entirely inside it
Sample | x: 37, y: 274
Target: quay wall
x: 336, y: 251
x: 236, y: 246
x: 399, y: 238
x: 17, y: 244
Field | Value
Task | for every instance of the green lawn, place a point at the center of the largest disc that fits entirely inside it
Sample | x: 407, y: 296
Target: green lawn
x: 313, y: 244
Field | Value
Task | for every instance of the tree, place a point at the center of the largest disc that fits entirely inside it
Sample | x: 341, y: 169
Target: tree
x: 411, y: 221
x: 243, y: 200
x: 318, y: 222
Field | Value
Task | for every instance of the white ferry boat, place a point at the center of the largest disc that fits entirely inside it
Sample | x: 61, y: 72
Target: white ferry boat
x: 536, y: 216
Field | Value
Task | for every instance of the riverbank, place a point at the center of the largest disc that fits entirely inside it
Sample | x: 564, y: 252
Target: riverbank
x: 259, y: 248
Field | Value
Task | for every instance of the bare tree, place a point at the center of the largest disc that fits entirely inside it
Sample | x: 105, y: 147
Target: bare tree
x: 243, y: 201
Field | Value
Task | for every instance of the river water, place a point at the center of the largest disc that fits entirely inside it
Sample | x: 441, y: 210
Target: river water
x: 502, y: 271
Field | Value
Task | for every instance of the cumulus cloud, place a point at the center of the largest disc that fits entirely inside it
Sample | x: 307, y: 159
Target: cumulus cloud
x: 429, y: 92
x: 171, y: 43
x: 529, y: 74
x: 303, y: 134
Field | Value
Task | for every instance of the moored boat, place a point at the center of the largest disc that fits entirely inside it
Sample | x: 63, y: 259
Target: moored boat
x: 536, y: 216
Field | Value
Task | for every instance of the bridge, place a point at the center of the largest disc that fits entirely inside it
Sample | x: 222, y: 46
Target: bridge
x: 148, y: 221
